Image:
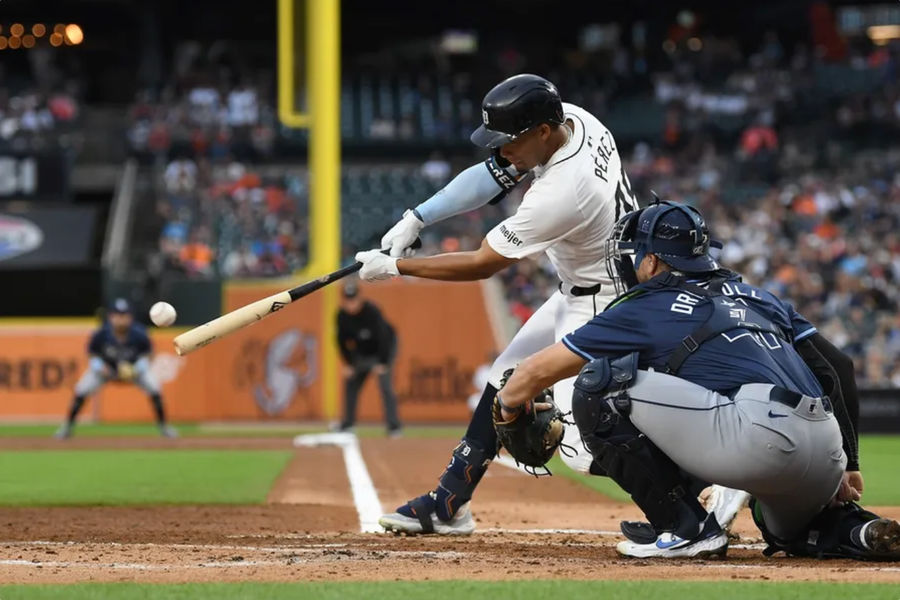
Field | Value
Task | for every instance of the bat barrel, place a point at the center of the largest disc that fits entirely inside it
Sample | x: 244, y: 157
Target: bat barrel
x: 205, y: 334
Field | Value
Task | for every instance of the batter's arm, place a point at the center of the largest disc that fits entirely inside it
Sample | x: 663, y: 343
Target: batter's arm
x: 473, y: 188
x: 540, y: 371
x: 457, y: 266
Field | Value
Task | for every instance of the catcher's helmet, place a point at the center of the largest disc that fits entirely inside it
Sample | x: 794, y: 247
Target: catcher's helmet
x: 676, y: 233
x: 514, y: 106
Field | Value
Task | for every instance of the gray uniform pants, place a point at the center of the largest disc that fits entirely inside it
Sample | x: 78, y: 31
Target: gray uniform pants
x: 790, y: 459
x: 91, y: 381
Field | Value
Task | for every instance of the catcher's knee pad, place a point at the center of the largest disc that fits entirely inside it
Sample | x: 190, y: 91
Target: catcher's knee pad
x: 468, y: 464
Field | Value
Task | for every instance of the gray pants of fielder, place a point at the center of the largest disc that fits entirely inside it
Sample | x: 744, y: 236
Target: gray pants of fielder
x: 91, y: 381
x: 790, y: 459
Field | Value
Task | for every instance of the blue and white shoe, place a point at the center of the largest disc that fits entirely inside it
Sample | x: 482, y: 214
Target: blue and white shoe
x: 418, y: 517
x: 712, y: 541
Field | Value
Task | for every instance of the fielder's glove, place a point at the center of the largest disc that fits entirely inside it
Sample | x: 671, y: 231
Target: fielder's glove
x: 531, y: 437
x: 125, y: 371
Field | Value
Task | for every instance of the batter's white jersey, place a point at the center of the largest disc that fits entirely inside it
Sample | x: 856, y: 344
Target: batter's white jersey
x: 572, y: 205
x: 568, y: 212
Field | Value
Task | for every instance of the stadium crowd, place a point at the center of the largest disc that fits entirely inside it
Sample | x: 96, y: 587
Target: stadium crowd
x: 782, y: 169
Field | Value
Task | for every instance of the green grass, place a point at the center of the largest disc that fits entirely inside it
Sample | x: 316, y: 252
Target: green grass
x: 117, y: 477
x: 285, y: 430
x: 604, y: 485
x: 878, y: 458
x: 90, y: 430
x: 879, y: 455
x: 516, y: 590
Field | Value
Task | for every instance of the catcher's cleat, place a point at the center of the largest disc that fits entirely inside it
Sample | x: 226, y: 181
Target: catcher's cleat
x: 167, y: 431
x: 710, y: 542
x: 725, y: 503
x: 418, y: 517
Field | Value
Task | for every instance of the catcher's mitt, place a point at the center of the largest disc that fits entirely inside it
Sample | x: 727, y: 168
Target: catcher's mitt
x: 531, y: 437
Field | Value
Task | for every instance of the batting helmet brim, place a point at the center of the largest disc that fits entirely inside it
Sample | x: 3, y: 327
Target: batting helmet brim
x: 488, y: 138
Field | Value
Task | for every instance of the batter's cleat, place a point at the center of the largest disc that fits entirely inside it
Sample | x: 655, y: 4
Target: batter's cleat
x: 710, y: 542
x: 395, y: 434
x: 725, y: 503
x: 167, y: 431
x: 880, y: 538
x: 64, y: 432
x: 417, y: 517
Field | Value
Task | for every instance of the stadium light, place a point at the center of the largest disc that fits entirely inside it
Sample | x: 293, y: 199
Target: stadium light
x: 28, y: 40
x: 3, y: 42
x: 15, y: 42
x: 56, y: 39
x: 74, y: 34
x: 17, y: 29
x: 38, y: 30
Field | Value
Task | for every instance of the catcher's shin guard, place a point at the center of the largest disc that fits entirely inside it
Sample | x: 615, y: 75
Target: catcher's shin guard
x: 468, y: 465
x: 628, y: 457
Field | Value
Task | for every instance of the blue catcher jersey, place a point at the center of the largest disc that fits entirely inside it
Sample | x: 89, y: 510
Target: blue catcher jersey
x: 105, y: 345
x: 654, y: 317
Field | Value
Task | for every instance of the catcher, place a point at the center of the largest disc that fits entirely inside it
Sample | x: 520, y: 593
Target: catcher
x: 119, y: 351
x: 692, y: 371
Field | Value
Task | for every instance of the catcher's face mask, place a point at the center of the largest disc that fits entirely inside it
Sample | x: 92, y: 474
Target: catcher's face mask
x: 620, y: 251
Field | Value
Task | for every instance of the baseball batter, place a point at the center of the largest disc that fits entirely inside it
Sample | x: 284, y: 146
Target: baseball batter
x: 578, y: 189
x: 119, y: 351
x: 723, y: 393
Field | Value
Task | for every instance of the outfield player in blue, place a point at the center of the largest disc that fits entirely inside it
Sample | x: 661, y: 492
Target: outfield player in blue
x: 694, y: 375
x: 119, y: 351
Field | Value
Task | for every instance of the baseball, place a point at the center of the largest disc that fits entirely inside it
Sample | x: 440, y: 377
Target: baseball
x: 162, y: 314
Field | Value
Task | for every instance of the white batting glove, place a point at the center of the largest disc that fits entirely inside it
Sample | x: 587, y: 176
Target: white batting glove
x: 401, y: 236
x: 376, y: 265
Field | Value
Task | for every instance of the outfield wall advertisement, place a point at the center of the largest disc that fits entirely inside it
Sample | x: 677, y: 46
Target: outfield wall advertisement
x: 269, y: 371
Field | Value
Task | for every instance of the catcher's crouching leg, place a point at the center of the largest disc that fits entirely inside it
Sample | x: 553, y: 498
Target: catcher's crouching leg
x: 626, y: 455
x: 444, y: 510
x: 845, y: 531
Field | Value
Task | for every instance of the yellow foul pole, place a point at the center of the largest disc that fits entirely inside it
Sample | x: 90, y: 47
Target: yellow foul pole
x: 323, y: 68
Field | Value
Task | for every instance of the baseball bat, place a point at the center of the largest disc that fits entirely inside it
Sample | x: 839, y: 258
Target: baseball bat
x: 205, y: 334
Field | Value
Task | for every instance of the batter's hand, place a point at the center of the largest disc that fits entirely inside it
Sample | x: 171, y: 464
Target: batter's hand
x: 376, y: 265
x: 401, y: 236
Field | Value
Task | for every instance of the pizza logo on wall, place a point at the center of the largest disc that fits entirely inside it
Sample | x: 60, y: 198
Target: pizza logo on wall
x: 18, y: 236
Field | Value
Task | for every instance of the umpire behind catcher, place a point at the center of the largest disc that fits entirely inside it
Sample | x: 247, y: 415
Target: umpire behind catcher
x: 368, y: 344
x: 119, y: 351
x: 693, y: 371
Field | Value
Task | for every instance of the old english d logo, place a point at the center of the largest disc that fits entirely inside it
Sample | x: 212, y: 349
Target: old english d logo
x: 484, y: 117
x: 276, y: 306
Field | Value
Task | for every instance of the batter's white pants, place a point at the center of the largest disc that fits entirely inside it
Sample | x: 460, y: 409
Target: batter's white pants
x: 558, y: 316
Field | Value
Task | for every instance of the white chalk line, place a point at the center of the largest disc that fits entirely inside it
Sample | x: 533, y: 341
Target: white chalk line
x: 368, y: 506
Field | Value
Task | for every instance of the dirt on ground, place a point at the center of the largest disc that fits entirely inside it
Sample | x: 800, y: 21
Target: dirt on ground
x: 309, y: 531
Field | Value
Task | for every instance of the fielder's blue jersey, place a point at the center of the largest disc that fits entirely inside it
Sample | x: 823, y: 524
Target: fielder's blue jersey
x: 107, y: 346
x: 654, y: 317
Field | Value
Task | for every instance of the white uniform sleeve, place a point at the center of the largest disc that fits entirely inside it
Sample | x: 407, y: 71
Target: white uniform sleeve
x: 547, y: 213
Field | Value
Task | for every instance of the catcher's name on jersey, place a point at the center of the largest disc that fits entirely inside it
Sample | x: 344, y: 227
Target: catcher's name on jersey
x: 572, y: 204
